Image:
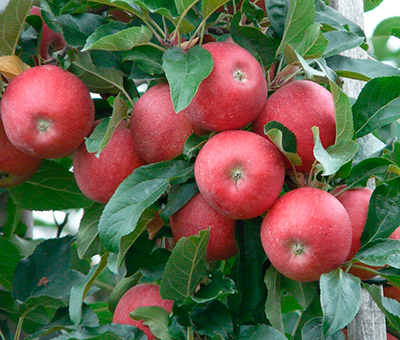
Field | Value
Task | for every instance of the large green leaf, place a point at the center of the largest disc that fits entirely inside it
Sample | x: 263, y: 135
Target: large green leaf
x: 135, y: 194
x: 148, y: 58
x: 52, y: 188
x: 208, y: 7
x: 259, y: 332
x: 300, y: 16
x: 11, y: 24
x: 109, y: 39
x: 261, y: 46
x: 183, y: 5
x: 314, y: 43
x: 156, y: 318
x: 371, y: 4
x: 340, y: 300
x: 185, y: 267
x: 273, y: 304
x: 340, y: 41
x: 377, y: 105
x: 383, y: 213
x: 87, y: 241
x: 380, y: 253
x: 277, y: 11
x: 313, y: 330
x: 303, y: 292
x: 250, y: 262
x: 9, y: 259
x: 185, y: 71
x: 360, y: 69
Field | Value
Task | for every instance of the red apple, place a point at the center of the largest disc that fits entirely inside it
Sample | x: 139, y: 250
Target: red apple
x: 51, y: 40
x: 392, y: 292
x: 99, y: 177
x: 197, y: 215
x: 47, y: 112
x: 299, y: 106
x: 141, y: 295
x: 15, y: 166
x: 234, y: 93
x: 306, y: 233
x: 239, y: 173
x: 158, y: 132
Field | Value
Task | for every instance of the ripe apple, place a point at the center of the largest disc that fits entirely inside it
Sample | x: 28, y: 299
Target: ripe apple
x: 392, y: 292
x: 234, y: 93
x: 15, y: 166
x: 299, y: 106
x: 51, y: 40
x: 158, y: 132
x: 197, y: 215
x: 141, y: 295
x: 239, y: 173
x: 306, y: 233
x: 99, y: 177
x: 47, y: 112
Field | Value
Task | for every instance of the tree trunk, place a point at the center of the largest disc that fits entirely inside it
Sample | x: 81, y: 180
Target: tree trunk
x: 370, y: 321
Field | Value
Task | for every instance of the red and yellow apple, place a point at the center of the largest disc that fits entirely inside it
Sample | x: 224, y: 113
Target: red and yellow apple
x: 234, y: 93
x: 47, y: 112
x: 197, y: 215
x: 141, y: 295
x: 299, y: 106
x: 306, y: 233
x: 239, y: 173
x: 99, y: 177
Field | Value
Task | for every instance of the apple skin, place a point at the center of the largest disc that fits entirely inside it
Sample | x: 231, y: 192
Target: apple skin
x: 299, y: 106
x: 234, y: 93
x: 391, y: 292
x: 197, y: 215
x: 141, y: 295
x: 51, y: 40
x: 306, y: 233
x: 15, y: 166
x: 98, y: 178
x: 47, y: 112
x: 239, y: 173
x: 158, y: 132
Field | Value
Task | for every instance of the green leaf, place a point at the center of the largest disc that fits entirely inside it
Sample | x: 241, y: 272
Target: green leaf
x: 178, y: 196
x: 52, y: 188
x: 251, y: 259
x: 371, y: 4
x: 103, y: 132
x: 340, y: 300
x: 208, y: 7
x: 377, y: 105
x: 284, y: 140
x: 105, y: 38
x: 213, y: 318
x: 383, y: 212
x: 369, y: 146
x: 313, y: 330
x: 81, y: 288
x: 193, y: 145
x: 273, y: 304
x: 9, y: 259
x: 148, y: 58
x: 183, y: 5
x: 185, y: 267
x: 135, y: 194
x: 386, y: 29
x: 12, y: 23
x: 377, y: 167
x: 314, y: 43
x: 360, y: 69
x: 376, y: 294
x: 343, y: 114
x: 45, y: 272
x: 97, y: 80
x: 335, y: 156
x: 380, y: 253
x: 303, y: 292
x: 259, y: 332
x: 261, y: 46
x: 185, y: 71
x: 156, y: 318
x: 300, y: 16
x: 340, y: 41
x: 88, y: 243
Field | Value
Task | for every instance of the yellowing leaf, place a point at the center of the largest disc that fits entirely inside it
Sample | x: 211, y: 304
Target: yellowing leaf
x: 11, y: 66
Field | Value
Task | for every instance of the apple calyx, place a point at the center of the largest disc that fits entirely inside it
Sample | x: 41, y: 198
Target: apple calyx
x: 43, y: 125
x: 298, y: 248
x: 239, y: 75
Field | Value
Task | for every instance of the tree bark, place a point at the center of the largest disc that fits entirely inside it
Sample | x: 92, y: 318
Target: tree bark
x: 370, y: 322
